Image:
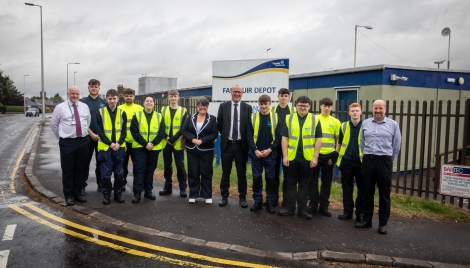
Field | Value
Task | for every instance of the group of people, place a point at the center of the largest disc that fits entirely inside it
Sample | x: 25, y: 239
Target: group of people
x: 304, y: 144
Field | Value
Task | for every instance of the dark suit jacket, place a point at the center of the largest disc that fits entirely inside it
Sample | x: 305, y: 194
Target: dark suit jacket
x: 207, y: 134
x: 224, y: 120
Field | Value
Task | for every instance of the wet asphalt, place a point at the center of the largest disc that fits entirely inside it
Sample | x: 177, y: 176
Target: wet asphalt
x: 420, y: 239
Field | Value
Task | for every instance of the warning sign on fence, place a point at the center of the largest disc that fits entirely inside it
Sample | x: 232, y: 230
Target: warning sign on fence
x: 455, y: 180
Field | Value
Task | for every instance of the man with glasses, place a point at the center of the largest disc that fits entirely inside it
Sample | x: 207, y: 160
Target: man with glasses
x: 232, y: 119
x: 94, y: 103
x: 301, y: 143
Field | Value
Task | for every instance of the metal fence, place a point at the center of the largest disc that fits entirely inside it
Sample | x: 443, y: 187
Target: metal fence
x: 431, y: 135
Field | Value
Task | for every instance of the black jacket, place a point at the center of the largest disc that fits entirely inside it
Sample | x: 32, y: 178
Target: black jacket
x: 208, y: 133
x: 224, y: 121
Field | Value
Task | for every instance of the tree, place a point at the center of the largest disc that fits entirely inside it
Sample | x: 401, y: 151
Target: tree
x: 9, y: 95
x: 57, y: 97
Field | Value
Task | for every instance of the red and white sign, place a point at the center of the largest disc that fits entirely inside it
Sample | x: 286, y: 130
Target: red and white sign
x: 455, y: 181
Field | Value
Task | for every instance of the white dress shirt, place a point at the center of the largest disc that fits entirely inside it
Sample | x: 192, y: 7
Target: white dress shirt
x: 231, y: 122
x: 63, y: 119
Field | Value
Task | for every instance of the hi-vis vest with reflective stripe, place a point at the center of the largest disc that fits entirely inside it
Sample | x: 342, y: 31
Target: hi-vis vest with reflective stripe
x: 291, y: 109
x: 328, y: 126
x: 346, y: 128
x: 130, y: 111
x: 255, y: 120
x: 148, y: 134
x: 308, y: 135
x: 175, y: 126
x: 108, y: 127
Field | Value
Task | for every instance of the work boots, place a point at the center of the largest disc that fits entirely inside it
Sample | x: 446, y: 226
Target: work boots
x: 107, y: 196
x: 118, y: 197
x: 166, y: 190
x: 150, y: 195
x: 136, y: 198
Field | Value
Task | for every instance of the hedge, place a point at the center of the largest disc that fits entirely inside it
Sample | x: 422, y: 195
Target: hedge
x: 14, y: 109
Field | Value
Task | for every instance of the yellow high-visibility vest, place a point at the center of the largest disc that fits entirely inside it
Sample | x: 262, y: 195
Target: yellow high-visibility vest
x: 148, y: 134
x: 108, y: 127
x: 255, y: 120
x: 329, y: 128
x: 130, y: 111
x: 308, y: 135
x: 176, y: 126
x: 346, y: 129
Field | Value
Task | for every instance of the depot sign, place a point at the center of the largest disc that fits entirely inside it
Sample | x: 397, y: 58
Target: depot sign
x: 257, y: 77
x: 455, y: 180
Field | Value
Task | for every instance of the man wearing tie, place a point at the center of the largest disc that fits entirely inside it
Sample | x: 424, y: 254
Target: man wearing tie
x: 70, y: 122
x: 232, y: 119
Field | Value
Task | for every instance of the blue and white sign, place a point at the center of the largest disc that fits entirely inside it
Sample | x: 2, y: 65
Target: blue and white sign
x: 257, y: 77
x: 455, y: 180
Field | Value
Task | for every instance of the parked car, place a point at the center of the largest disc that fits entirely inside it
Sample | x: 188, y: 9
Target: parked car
x: 32, y: 112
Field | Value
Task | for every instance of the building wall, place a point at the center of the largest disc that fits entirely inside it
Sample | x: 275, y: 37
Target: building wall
x: 149, y: 84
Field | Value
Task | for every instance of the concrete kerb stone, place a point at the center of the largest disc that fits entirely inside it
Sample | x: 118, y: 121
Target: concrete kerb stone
x: 379, y: 260
x: 247, y: 250
x: 171, y: 236
x: 141, y: 229
x: 309, y: 255
x: 445, y: 265
x: 287, y: 255
x: 403, y: 262
x: 218, y: 245
x: 342, y: 257
x: 105, y: 218
x: 194, y: 241
x: 82, y: 209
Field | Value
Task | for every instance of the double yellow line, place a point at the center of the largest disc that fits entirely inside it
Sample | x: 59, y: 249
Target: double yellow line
x: 203, y: 258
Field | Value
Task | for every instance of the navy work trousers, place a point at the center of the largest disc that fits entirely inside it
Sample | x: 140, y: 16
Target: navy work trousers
x: 269, y: 165
x: 145, y: 163
x: 111, y: 162
x: 297, y: 177
x: 168, y: 151
x: 125, y: 163
x: 351, y: 171
x: 322, y: 197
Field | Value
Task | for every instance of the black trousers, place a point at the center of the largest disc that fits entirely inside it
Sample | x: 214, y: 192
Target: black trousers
x: 297, y: 177
x: 125, y: 163
x: 277, y: 173
x: 200, y: 172
x: 377, y: 170
x: 145, y: 163
x: 351, y: 170
x: 74, y: 162
x: 322, y: 197
x: 178, y: 155
x: 234, y: 151
x: 93, y: 148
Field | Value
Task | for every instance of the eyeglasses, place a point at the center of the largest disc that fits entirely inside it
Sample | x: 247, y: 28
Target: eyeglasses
x: 302, y: 106
x: 237, y: 92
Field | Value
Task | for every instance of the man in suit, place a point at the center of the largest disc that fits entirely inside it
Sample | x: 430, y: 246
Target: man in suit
x: 232, y: 119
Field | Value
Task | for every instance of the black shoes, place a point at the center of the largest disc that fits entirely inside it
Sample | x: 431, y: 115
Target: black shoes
x: 106, y: 197
x: 98, y: 188
x: 136, y: 198
x: 275, y: 204
x: 69, y: 202
x: 80, y: 198
x: 83, y: 191
x: 150, y: 195
x: 243, y: 203
x: 304, y: 214
x: 345, y: 217
x: 382, y: 229
x: 364, y: 224
x: 270, y: 209
x: 257, y: 206
x: 324, y: 212
x: 183, y: 193
x: 359, y: 218
x: 312, y: 208
x: 165, y: 191
x: 286, y: 212
x: 223, y: 202
x: 118, y: 197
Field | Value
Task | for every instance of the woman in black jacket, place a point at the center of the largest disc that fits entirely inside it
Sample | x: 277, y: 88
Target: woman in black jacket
x: 200, y: 131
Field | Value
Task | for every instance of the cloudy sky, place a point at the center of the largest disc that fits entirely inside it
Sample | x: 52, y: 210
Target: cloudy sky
x: 118, y: 41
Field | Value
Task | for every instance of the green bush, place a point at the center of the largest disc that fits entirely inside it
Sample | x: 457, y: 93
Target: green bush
x: 15, y: 109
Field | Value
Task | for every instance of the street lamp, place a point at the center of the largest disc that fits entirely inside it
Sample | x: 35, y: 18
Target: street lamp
x: 66, y: 95
x: 446, y: 32
x: 355, y: 40
x: 42, y: 67
x: 74, y: 77
x: 24, y: 88
x: 439, y: 63
x: 267, y: 51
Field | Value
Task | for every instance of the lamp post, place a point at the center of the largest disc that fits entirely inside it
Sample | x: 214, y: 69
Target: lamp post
x: 42, y: 67
x: 355, y: 40
x: 74, y: 77
x: 68, y: 77
x: 24, y: 88
x: 446, y: 32
x: 267, y: 52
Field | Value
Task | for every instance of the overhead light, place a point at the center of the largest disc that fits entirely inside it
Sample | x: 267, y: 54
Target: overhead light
x: 394, y: 78
x: 450, y: 80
